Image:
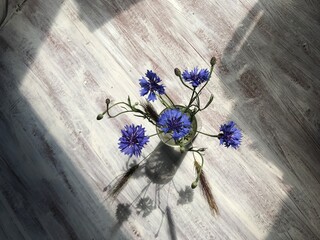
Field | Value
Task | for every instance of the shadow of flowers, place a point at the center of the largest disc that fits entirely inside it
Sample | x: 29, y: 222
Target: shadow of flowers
x: 123, y: 212
x: 159, y: 168
x: 185, y: 196
x: 145, y: 206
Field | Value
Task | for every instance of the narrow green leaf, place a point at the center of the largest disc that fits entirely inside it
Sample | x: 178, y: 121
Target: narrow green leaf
x: 139, y: 116
x: 209, y: 102
x: 129, y: 101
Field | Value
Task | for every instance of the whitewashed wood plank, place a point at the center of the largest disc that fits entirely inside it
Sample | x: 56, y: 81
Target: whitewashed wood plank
x: 60, y: 60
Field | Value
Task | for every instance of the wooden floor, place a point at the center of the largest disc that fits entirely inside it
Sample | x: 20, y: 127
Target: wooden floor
x: 59, y: 60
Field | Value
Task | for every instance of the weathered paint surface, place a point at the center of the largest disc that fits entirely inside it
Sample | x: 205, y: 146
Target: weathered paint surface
x: 59, y: 60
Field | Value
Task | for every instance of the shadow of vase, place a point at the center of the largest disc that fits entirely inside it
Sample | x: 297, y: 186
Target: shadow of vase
x: 163, y: 163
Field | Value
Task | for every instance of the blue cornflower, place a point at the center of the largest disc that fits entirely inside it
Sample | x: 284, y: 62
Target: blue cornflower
x: 133, y: 139
x: 151, y: 86
x: 196, y: 78
x: 175, y: 122
x: 230, y: 136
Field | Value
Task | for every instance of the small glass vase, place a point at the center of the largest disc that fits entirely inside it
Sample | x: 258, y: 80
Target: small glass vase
x: 167, y: 139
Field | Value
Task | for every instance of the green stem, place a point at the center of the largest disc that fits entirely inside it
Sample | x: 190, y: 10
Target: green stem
x: 104, y: 112
x: 132, y: 109
x: 169, y: 99
x: 110, y: 116
x: 118, y: 104
x: 211, y: 70
x: 207, y: 134
x: 191, y: 100
x: 164, y: 103
x: 198, y: 93
x: 108, y: 109
x: 152, y: 135
x: 184, y: 82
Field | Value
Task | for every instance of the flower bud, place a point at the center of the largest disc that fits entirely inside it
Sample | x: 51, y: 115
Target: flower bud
x: 194, y: 185
x: 213, y: 61
x: 100, y: 116
x: 177, y: 72
x: 108, y: 101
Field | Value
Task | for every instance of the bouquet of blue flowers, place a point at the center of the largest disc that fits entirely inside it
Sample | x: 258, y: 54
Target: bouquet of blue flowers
x: 176, y: 125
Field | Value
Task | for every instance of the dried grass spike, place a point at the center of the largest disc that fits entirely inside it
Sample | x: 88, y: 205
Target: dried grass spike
x: 122, y: 181
x: 151, y: 111
x: 206, y: 190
